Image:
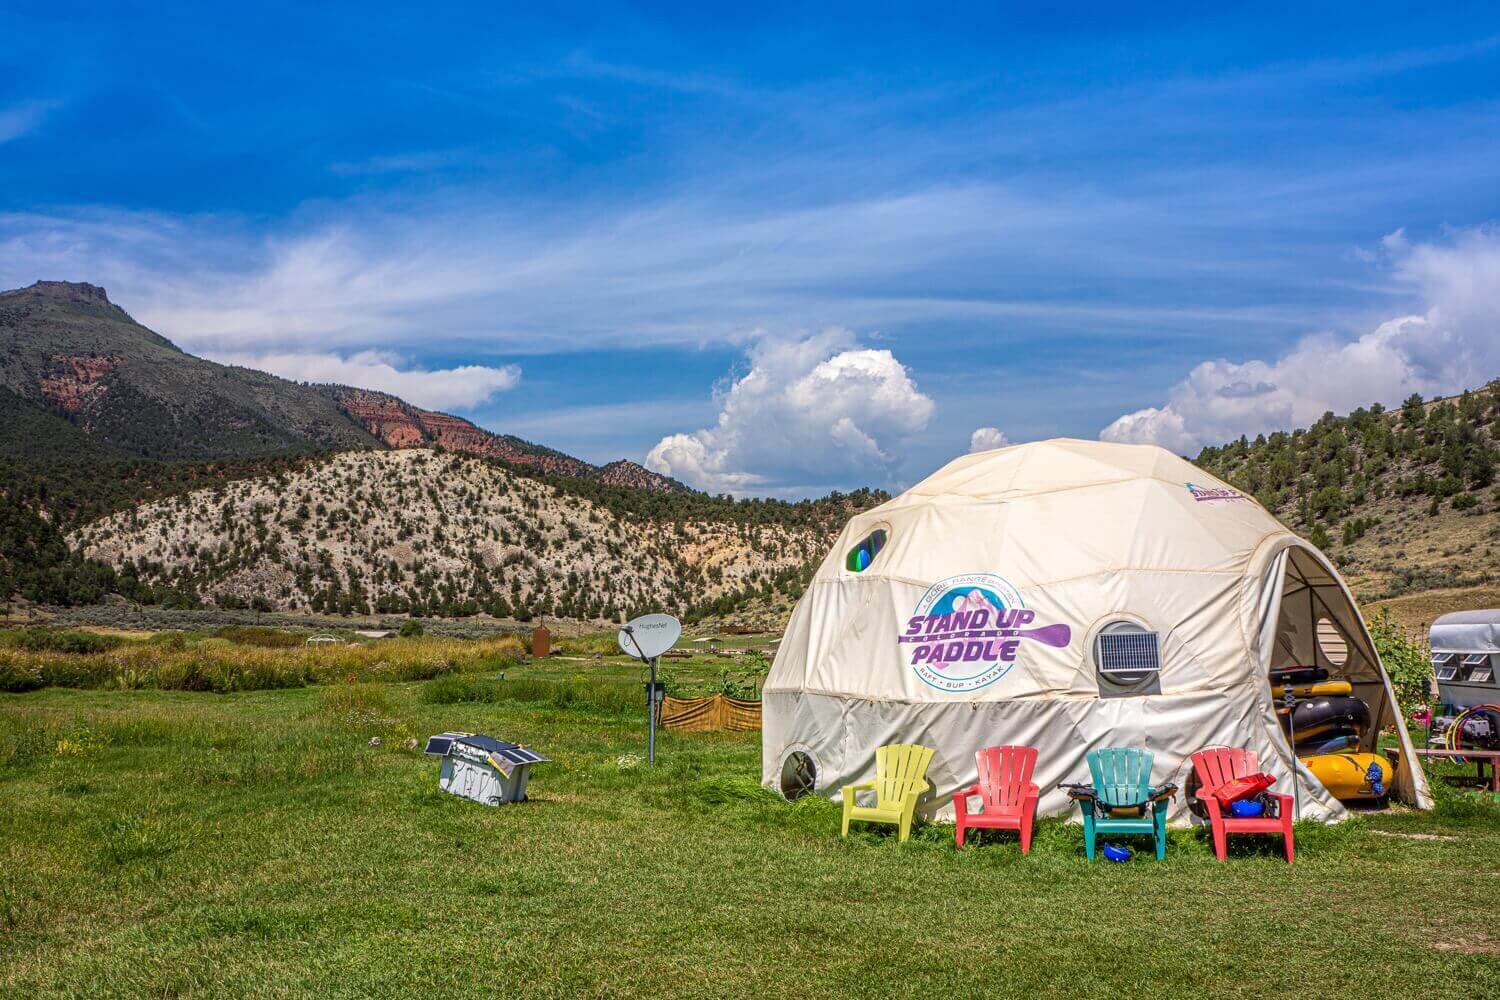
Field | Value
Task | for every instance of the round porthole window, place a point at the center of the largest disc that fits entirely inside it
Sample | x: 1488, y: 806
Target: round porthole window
x: 863, y: 554
x: 799, y: 775
x: 1127, y: 659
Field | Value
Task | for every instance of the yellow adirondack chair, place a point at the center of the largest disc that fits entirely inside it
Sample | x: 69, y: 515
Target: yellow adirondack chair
x: 900, y: 779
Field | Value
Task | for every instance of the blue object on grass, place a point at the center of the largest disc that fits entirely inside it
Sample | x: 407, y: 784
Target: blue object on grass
x: 1247, y: 808
x: 1115, y: 853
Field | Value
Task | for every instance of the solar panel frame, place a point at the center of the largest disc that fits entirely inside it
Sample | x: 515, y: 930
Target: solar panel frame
x: 440, y: 744
x: 486, y: 743
x: 1129, y: 653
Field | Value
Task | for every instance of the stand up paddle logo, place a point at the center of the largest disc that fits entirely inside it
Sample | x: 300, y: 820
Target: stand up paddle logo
x: 1205, y: 494
x: 967, y: 631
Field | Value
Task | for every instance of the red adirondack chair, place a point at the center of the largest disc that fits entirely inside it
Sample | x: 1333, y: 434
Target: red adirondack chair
x: 1217, y: 766
x: 1006, y: 791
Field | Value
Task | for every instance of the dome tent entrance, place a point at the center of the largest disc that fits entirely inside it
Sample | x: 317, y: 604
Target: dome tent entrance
x: 1066, y: 595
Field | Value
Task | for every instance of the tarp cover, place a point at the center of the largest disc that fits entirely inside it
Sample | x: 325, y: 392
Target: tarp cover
x: 975, y: 625
x: 716, y: 712
x: 1467, y: 632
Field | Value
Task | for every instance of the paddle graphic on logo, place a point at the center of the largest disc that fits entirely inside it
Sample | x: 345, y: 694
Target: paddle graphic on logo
x: 967, y: 631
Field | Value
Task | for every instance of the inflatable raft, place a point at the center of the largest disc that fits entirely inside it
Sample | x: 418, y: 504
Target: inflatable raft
x: 1352, y: 777
x: 1328, y: 724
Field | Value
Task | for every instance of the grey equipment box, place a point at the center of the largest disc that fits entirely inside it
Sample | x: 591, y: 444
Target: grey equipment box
x: 482, y: 768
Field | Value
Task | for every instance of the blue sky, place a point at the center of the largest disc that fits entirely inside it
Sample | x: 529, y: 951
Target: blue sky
x: 773, y: 254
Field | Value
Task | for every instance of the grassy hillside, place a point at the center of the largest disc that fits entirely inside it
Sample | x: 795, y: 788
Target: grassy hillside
x: 430, y: 533
x: 1403, y: 500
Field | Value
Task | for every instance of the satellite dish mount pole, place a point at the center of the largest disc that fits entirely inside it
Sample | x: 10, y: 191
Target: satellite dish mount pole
x: 651, y: 716
x: 650, y: 697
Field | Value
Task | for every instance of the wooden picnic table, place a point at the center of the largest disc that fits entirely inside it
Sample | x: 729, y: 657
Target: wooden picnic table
x: 1481, y: 758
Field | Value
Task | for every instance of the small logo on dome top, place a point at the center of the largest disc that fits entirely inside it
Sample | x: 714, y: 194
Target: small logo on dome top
x: 1205, y: 493
x: 966, y: 632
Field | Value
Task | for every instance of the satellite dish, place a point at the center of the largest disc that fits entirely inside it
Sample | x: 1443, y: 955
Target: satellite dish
x: 649, y: 636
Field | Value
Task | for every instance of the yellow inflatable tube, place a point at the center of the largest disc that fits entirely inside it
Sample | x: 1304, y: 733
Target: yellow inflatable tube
x: 1351, y: 777
x: 1312, y: 690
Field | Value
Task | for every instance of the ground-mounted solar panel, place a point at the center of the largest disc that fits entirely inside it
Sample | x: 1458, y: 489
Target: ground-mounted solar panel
x: 520, y: 755
x: 486, y: 743
x: 482, y: 768
x: 439, y: 745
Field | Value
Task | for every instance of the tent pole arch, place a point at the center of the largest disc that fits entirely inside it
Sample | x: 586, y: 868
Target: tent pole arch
x: 1291, y: 565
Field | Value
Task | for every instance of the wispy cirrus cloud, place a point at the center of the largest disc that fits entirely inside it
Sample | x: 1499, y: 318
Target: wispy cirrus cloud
x: 460, y: 387
x: 24, y: 118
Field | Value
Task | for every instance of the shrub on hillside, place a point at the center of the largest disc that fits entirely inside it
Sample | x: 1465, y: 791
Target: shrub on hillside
x: 260, y: 635
x: 40, y: 640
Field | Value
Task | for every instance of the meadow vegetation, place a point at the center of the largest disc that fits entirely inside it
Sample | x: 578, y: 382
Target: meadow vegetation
x: 286, y: 842
x: 229, y: 659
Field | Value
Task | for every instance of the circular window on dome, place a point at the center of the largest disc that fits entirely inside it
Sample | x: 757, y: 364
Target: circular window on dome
x: 860, y: 557
x: 799, y: 775
x: 1127, y: 658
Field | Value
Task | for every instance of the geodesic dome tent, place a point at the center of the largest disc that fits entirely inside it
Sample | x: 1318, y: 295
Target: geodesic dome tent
x: 1066, y: 595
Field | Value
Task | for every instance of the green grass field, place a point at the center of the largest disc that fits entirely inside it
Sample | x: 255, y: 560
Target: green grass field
x: 161, y: 843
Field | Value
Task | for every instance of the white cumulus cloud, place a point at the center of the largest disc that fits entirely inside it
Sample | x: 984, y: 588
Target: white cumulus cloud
x: 815, y: 410
x: 441, y: 389
x: 1453, y: 344
x: 987, y: 439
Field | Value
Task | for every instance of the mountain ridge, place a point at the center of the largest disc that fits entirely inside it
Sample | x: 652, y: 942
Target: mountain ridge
x: 69, y: 355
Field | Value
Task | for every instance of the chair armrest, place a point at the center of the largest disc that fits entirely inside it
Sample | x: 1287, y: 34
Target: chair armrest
x: 1211, y: 803
x: 1033, y: 790
x: 850, y: 791
x: 1284, y: 802
x: 964, y: 793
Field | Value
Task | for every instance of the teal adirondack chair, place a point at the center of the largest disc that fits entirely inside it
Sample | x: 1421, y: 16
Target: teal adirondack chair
x: 1122, y: 783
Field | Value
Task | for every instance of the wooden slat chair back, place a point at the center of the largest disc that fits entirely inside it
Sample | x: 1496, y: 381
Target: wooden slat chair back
x: 1223, y: 764
x: 899, y: 769
x: 1220, y: 764
x: 900, y: 780
x: 1122, y: 775
x: 1005, y: 776
x: 1006, y: 792
x: 1122, y: 778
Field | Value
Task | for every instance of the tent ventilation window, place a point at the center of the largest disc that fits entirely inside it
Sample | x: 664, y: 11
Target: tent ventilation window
x: 799, y: 775
x: 864, y: 553
x: 1128, y: 658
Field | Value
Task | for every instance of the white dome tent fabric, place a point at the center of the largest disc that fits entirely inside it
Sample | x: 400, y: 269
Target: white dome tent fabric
x: 967, y: 611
